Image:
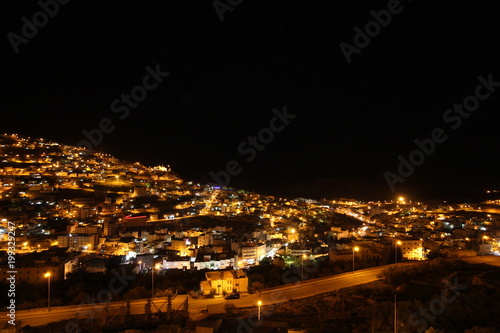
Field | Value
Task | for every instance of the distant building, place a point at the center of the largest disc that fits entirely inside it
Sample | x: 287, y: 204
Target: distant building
x: 176, y: 264
x: 338, y: 233
x: 204, y: 239
x: 215, y: 261
x: 181, y: 245
x: 35, y: 273
x: 87, y: 229
x: 375, y: 251
x: 140, y: 191
x: 135, y: 221
x: 78, y: 242
x: 224, y: 281
x: 298, y: 252
x: 109, y: 228
x: 252, y: 254
x: 411, y: 249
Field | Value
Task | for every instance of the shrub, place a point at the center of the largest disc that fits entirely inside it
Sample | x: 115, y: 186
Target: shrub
x: 230, y: 309
x: 194, y: 295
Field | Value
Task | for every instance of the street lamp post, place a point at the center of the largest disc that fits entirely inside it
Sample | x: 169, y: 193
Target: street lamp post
x: 395, y: 313
x: 396, y: 251
x: 47, y: 275
x: 153, y: 279
x: 302, y: 272
x: 354, y: 249
x: 259, y: 303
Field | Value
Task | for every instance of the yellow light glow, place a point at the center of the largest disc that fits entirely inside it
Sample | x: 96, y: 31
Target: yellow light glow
x: 293, y: 231
x: 47, y: 275
x: 259, y: 302
x: 399, y: 242
x: 356, y: 249
x: 485, y: 237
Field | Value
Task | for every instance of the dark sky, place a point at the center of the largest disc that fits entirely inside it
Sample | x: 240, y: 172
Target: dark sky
x: 353, y: 120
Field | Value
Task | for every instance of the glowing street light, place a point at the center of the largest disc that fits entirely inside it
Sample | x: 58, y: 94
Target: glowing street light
x: 485, y: 237
x: 153, y: 279
x: 396, y: 251
x: 302, y: 273
x: 354, y: 249
x: 47, y: 275
x: 259, y: 303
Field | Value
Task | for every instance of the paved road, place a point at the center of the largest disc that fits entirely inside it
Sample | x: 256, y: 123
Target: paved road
x: 41, y: 316
x: 304, y: 289
x: 268, y: 296
x: 273, y: 295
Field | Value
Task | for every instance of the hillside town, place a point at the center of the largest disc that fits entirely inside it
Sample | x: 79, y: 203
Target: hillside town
x: 73, y: 208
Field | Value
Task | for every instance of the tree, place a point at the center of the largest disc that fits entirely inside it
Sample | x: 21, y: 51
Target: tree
x: 256, y: 286
x: 230, y: 309
x: 137, y: 293
x: 80, y: 298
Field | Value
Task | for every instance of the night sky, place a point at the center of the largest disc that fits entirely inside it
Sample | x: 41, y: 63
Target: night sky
x: 225, y: 78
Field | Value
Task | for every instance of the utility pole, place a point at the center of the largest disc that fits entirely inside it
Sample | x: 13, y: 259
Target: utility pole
x: 373, y: 318
x: 186, y: 309
x: 169, y: 307
x: 395, y: 314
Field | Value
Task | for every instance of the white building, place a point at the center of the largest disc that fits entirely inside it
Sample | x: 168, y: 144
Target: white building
x: 215, y: 264
x: 298, y: 252
x: 253, y: 254
x: 78, y: 242
x: 176, y: 264
x: 411, y: 249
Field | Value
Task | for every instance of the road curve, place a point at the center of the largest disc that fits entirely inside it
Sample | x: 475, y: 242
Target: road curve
x: 40, y: 316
